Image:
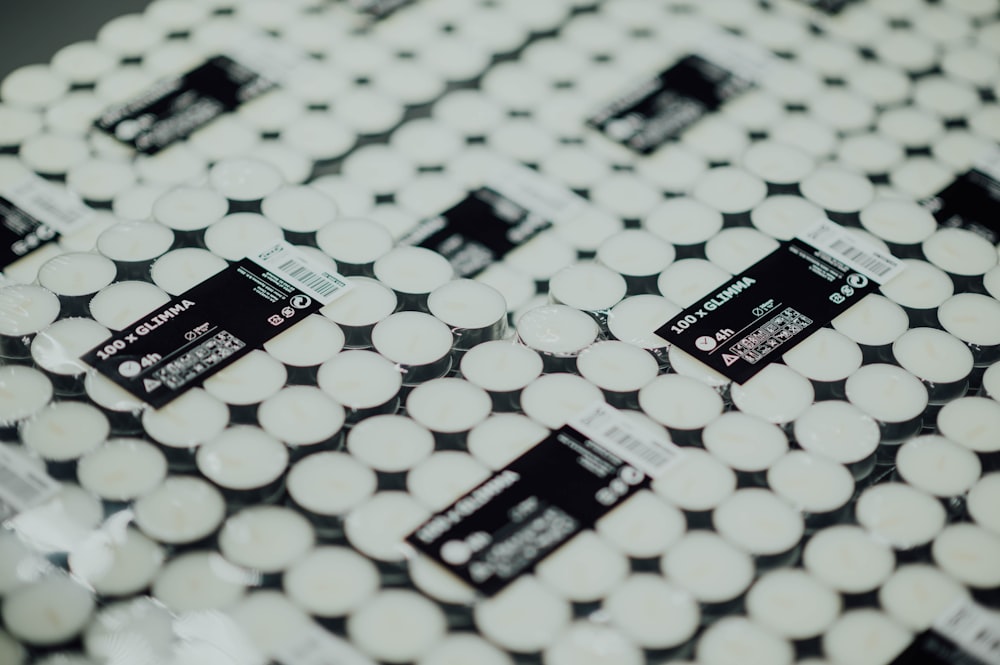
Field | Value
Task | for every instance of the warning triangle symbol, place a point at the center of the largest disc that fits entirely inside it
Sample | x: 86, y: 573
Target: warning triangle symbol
x: 151, y: 384
x: 729, y: 359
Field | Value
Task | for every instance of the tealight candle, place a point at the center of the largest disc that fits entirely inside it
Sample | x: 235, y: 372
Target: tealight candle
x: 938, y: 359
x: 24, y: 391
x: 245, y: 463
x: 874, y: 154
x: 865, y: 636
x: 635, y: 320
x: 682, y: 404
x: 246, y: 383
x: 300, y: 211
x: 525, y: 617
x: 180, y: 511
x: 710, y: 569
x: 123, y: 303
x: 390, y: 444
x: 239, y: 234
x: 686, y: 365
x: 377, y: 528
x: 25, y: 310
x: 451, y: 407
x: 21, y: 564
x: 357, y: 312
x: 652, y: 612
x: 730, y: 190
x: 98, y: 180
x: 892, y: 396
x: 962, y: 254
x: 917, y: 594
x: 306, y: 345
x: 331, y: 581
x: 620, y: 370
x: 902, y: 516
x: 503, y: 437
x: 53, y: 155
x: 185, y: 423
x: 503, y: 369
x: 75, y: 278
x: 133, y: 246
x: 684, y: 283
x: 200, y: 580
x: 585, y: 641
x: 761, y: 523
x: 745, y: 443
x: 637, y: 255
x: 177, y: 166
x: 122, y: 469
x: 781, y: 166
x: 686, y: 223
x: 938, y: 466
x: 418, y: 343
x: 412, y: 273
x: 969, y: 553
x: 736, y: 249
x: 974, y: 319
x: 364, y: 382
x: 777, y: 394
x: 920, y: 289
x: 444, y: 477
x: 585, y: 569
x: 558, y: 333
x: 874, y: 322
x: 826, y: 358
x: 305, y: 418
x: 643, y: 526
x: 177, y: 271
x: 972, y: 422
x: 848, y: 559
x: 901, y: 223
x: 696, y: 484
x: 355, y: 243
x: 415, y: 623
x: 268, y: 539
x: 793, y: 604
x: 461, y: 647
x: 64, y: 431
x: 475, y: 312
x: 991, y: 382
x: 839, y: 431
x: 980, y: 500
x: 838, y: 191
x: 819, y: 487
x: 49, y: 612
x: 116, y: 564
x: 553, y: 399
x: 136, y: 203
x: 33, y: 86
x: 189, y: 210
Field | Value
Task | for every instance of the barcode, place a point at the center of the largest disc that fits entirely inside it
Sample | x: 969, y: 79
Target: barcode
x: 862, y: 258
x: 972, y: 629
x: 48, y: 203
x: 22, y: 486
x: 854, y: 252
x: 302, y: 274
x: 606, y: 426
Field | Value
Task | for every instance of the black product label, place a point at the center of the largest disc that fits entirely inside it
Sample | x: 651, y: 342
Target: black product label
x: 479, y: 230
x: 20, y: 233
x: 378, y: 9
x: 775, y: 304
x: 175, y: 108
x: 971, y: 202
x: 511, y: 522
x: 215, y: 323
x: 664, y: 106
x: 965, y: 634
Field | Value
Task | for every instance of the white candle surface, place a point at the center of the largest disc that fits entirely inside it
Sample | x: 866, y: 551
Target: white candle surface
x: 460, y: 648
x: 917, y: 594
x: 887, y: 393
x: 543, y: 256
x: 48, y: 612
x: 552, y: 399
x: 784, y: 216
x: 687, y: 281
x: 525, y: 617
x: 473, y: 310
x: 685, y: 364
x: 937, y: 465
x: 330, y: 483
x: 653, y: 612
x: 251, y: 379
x: 266, y: 538
x: 123, y: 303
x: 736, y: 249
x: 444, y: 477
x: 759, y: 522
x: 826, y: 355
x: 310, y: 342
x: 587, y: 643
x: 933, y: 355
x: 182, y: 509
x: 300, y: 209
x: 242, y: 458
x: 367, y: 303
x: 412, y: 339
x: 837, y: 190
x: 122, y: 469
x: 981, y: 500
x: 448, y: 405
x: 898, y: 221
x: 811, y: 483
x: 26, y: 309
x: 99, y: 179
x: 745, y: 443
x: 61, y: 523
x: 415, y: 623
x: 64, y: 431
x: 866, y: 637
x: 752, y: 642
x: 135, y: 241
x: 556, y: 329
x: 503, y: 437
x: 239, y: 234
x: 117, y: 564
x: 777, y: 394
x: 972, y: 318
x: 680, y: 402
x: 848, y: 559
x: 960, y: 252
x: 793, y: 604
x: 730, y: 189
x: 708, y: 567
x: 972, y: 422
x: 200, y: 580
x: 177, y: 271
x: 390, y: 443
x: 920, y: 286
x: 777, y: 164
x: 77, y: 274
x: 900, y: 515
x: 636, y: 253
x: 377, y: 528
x: 24, y: 391
x: 501, y: 366
x: 412, y: 270
x: 698, y: 482
x: 585, y: 569
x: 359, y: 379
x: 683, y: 221
x: 189, y: 208
x: 188, y: 421
x: 354, y: 241
x: 331, y: 581
x: 617, y: 366
x: 301, y: 416
x: 874, y: 321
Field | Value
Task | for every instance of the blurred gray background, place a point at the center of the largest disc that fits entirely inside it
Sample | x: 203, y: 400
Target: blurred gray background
x: 32, y: 30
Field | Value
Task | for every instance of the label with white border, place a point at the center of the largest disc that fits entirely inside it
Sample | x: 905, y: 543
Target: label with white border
x: 650, y: 452
x: 215, y: 323
x: 964, y: 634
x: 22, y: 485
x: 972, y: 201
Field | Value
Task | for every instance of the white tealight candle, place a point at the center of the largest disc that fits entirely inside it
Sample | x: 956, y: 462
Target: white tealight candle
x: 331, y: 581
x: 444, y: 477
x: 542, y: 256
x: 302, y: 417
x: 189, y: 210
x: 900, y: 515
x: 917, y: 594
x: 117, y: 564
x: 553, y: 399
x: 643, y: 526
x: 239, y: 234
x: 730, y: 190
x: 75, y: 278
x: 356, y: 312
x: 557, y: 332
x: 459, y: 648
x: 309, y: 343
x: 697, y: 483
x: 898, y: 221
x: 814, y: 485
x: 848, y: 559
x: 244, y: 461
x: 412, y: 272
x: 969, y: 553
x: 617, y: 368
x: 525, y: 617
x: 745, y: 443
x: 938, y: 466
x: 743, y: 640
x: 874, y: 321
x: 781, y: 166
x: 25, y: 310
x: 652, y: 612
x: 736, y: 249
x: 890, y: 395
x: 268, y: 539
x: 920, y: 289
x: 784, y: 216
x: 587, y: 643
x: 181, y: 510
x: 99, y: 180
x: 362, y: 381
x: 122, y: 469
x: 474, y: 311
x: 940, y: 360
x: 960, y: 253
x: 355, y: 244
x: 686, y: 365
x: 299, y: 210
x: 64, y: 431
x: 826, y: 358
x: 328, y: 485
x: 793, y: 604
x: 49, y: 612
x: 759, y: 522
x: 415, y: 623
x: 418, y: 343
x: 123, y: 303
x: 250, y: 380
x: 638, y: 255
x: 777, y: 394
x: 684, y: 222
x: 584, y: 569
x: 377, y: 528
x: 981, y: 500
x: 390, y: 443
x: 199, y: 580
x: 177, y: 271
x: 680, y: 403
x: 516, y: 287
x: 972, y: 422
x: 708, y: 567
x: 503, y: 369
x: 449, y: 406
x: 687, y: 281
x: 503, y: 437
x: 866, y: 637
x: 24, y: 391
x: 974, y: 319
x: 133, y: 246
x: 839, y: 431
x: 991, y: 281
x: 187, y: 422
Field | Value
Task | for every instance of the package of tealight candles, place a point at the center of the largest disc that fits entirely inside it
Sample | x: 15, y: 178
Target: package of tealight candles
x: 436, y: 332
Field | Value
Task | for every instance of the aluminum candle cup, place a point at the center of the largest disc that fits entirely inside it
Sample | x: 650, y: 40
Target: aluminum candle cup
x: 182, y: 511
x: 638, y: 256
x: 327, y: 486
x: 850, y: 560
x: 965, y: 256
x: 503, y: 369
x: 24, y: 392
x: 558, y: 333
x: 75, y: 278
x: 357, y: 312
x: 184, y: 424
x: 391, y: 445
x: 25, y: 310
x: 620, y: 370
x: 56, y: 351
x: 412, y: 273
x: 826, y: 358
x: 355, y: 244
x: 247, y: 464
x: 939, y: 467
x: 974, y: 319
x: 305, y: 346
x: 246, y: 383
x: 747, y: 444
x: 893, y: 397
x: 759, y: 522
x: 305, y: 418
x: 417, y: 343
x: 902, y: 224
x: 475, y: 312
x: 942, y: 362
x: 134, y: 246
x: 920, y: 289
x: 681, y: 404
x: 200, y: 580
x: 189, y: 210
x: 363, y: 382
x: 842, y: 432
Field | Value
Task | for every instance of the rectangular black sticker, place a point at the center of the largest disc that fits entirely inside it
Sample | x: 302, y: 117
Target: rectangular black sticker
x: 664, y: 106
x: 173, y: 109
x: 773, y: 305
x: 971, y: 202
x: 20, y: 233
x: 378, y: 9
x: 964, y: 634
x: 511, y: 522
x: 176, y: 347
x: 477, y: 231
x: 931, y: 648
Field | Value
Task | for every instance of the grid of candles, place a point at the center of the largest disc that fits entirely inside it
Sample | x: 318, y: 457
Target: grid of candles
x: 825, y: 511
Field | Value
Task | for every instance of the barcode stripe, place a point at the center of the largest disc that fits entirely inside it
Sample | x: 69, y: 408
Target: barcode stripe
x: 861, y: 257
x: 652, y: 455
x: 608, y: 428
x: 316, y: 282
